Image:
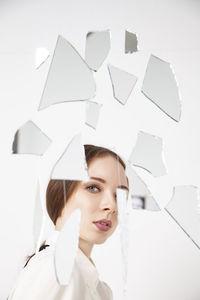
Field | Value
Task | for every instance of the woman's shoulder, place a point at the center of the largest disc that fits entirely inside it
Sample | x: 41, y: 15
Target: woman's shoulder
x: 44, y: 254
x: 37, y: 275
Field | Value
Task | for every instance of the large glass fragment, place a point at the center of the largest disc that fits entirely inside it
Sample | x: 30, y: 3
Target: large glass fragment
x: 183, y: 208
x: 131, y: 42
x: 66, y: 247
x: 69, y: 77
x: 147, y: 154
x: 123, y: 219
x: 29, y: 139
x: 160, y: 86
x: 122, y: 83
x: 72, y: 163
x: 38, y: 215
x: 139, y: 194
x: 41, y: 56
x: 97, y: 48
x: 92, y: 113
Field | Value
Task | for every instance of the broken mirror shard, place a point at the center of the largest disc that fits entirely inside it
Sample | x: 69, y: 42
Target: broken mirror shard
x: 38, y: 215
x: 97, y: 48
x: 122, y: 83
x: 41, y: 55
x: 160, y: 86
x: 123, y: 216
x: 67, y: 247
x: 29, y: 139
x: 148, y: 154
x: 72, y: 163
x: 131, y: 42
x: 92, y: 113
x: 139, y: 194
x: 69, y: 77
x: 183, y: 208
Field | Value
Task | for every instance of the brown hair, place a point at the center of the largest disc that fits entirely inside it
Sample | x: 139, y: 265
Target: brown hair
x: 55, y: 189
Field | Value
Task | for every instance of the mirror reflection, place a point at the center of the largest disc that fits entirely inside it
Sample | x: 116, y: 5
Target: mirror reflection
x: 92, y: 113
x: 72, y: 163
x: 97, y: 48
x: 67, y: 242
x: 69, y: 77
x: 148, y: 154
x: 123, y: 216
x: 38, y: 215
x: 122, y: 83
x: 29, y: 139
x: 139, y: 194
x: 131, y: 42
x: 160, y: 86
x: 183, y: 208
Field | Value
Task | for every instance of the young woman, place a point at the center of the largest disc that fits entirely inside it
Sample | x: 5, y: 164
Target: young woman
x: 97, y: 200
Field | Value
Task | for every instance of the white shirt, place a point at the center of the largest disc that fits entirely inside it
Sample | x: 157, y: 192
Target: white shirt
x: 37, y: 281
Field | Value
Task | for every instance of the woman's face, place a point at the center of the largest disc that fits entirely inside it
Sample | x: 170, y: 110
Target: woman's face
x: 97, y: 198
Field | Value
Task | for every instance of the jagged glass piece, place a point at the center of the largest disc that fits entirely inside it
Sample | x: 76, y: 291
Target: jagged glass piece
x: 123, y: 220
x: 161, y: 88
x: 131, y: 42
x: 72, y: 163
x: 66, y: 247
x: 69, y: 77
x: 97, y: 48
x: 139, y: 195
x: 92, y: 113
x: 38, y: 214
x: 147, y: 154
x: 41, y: 55
x: 184, y: 209
x: 29, y: 139
x: 122, y: 83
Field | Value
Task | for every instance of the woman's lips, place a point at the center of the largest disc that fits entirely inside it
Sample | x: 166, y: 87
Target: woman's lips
x: 102, y: 227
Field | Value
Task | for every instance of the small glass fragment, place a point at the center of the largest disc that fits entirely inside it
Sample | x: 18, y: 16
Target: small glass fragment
x: 139, y: 194
x: 72, y: 163
x: 131, y: 42
x: 122, y: 83
x: 97, y: 48
x: 92, y: 113
x: 160, y: 86
x: 41, y: 56
x: 66, y: 247
x: 69, y: 77
x: 183, y: 208
x: 29, y: 139
x: 147, y: 154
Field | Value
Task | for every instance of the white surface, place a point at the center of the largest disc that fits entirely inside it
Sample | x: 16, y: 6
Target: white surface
x: 164, y: 263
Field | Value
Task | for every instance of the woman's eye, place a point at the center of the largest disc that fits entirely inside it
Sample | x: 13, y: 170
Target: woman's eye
x: 93, y: 188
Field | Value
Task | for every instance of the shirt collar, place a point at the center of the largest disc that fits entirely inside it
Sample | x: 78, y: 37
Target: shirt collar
x: 90, y: 273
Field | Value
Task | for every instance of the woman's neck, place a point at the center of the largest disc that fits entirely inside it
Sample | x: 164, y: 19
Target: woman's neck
x: 85, y: 247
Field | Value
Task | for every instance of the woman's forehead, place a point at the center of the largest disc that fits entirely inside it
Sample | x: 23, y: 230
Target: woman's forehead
x: 107, y: 167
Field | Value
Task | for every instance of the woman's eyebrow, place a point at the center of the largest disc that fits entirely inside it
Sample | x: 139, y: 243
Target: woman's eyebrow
x: 104, y: 181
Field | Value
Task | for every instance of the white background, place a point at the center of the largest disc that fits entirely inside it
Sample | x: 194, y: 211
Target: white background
x: 163, y: 262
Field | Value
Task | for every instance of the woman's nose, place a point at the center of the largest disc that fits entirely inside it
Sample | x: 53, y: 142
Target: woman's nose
x: 109, y: 202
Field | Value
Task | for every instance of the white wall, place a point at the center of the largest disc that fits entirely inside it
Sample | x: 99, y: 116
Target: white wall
x: 164, y: 264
